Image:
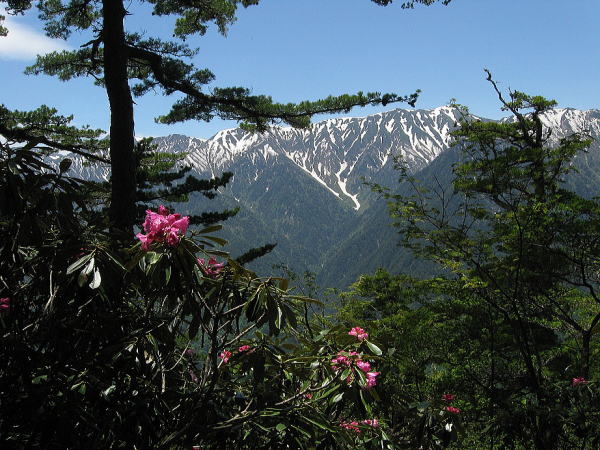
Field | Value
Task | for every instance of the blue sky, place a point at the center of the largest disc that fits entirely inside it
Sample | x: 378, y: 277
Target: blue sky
x: 307, y: 49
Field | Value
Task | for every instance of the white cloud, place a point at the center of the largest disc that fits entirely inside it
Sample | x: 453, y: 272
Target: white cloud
x: 25, y: 43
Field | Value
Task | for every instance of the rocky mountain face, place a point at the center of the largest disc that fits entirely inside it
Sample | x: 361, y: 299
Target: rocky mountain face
x: 305, y: 191
x: 336, y: 153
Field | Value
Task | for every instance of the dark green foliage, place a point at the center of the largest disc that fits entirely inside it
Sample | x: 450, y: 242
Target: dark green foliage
x: 514, y: 319
x: 166, y: 170
x: 255, y: 253
x: 106, y: 347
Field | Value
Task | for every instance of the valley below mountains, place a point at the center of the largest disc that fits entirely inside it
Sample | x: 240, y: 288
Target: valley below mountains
x: 305, y: 189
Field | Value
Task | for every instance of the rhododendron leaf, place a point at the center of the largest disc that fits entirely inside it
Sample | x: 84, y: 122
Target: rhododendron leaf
x: 375, y: 395
x: 337, y: 397
x: 321, y: 425
x: 363, y: 400
x: 90, y: 266
x: 167, y: 274
x: 219, y: 241
x: 280, y: 426
x: 306, y: 299
x: 153, y: 257
x: 210, y: 229
x: 109, y: 390
x: 283, y: 284
x: 78, y: 264
x: 329, y: 391
x: 95, y: 283
x: 38, y: 380
x: 115, y: 260
x: 290, y: 317
x: 134, y: 261
x: 279, y: 321
x: 218, y: 253
x: 252, y: 311
x: 376, y: 350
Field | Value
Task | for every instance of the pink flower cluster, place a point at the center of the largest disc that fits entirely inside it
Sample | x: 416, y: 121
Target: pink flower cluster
x: 360, y: 334
x: 354, y: 425
x: 578, y: 381
x: 211, y: 268
x: 350, y: 358
x: 344, y: 359
x: 450, y: 398
x: 452, y: 409
x: 5, y: 304
x: 351, y: 426
x: 371, y: 423
x: 226, y: 354
x: 162, y: 227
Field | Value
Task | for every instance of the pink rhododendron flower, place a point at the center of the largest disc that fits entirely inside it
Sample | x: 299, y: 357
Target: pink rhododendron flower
x: 344, y: 359
x: 189, y: 352
x: 308, y: 395
x: 360, y: 334
x: 371, y: 379
x: 371, y: 422
x: 448, y: 397
x: 352, y: 426
x: 244, y: 348
x: 5, y: 304
x: 225, y: 355
x: 211, y: 268
x: 579, y: 380
x: 340, y: 360
x: 363, y: 365
x: 452, y: 409
x: 162, y: 227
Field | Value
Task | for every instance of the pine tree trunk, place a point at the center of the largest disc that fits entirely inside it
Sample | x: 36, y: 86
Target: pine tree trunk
x: 123, y: 185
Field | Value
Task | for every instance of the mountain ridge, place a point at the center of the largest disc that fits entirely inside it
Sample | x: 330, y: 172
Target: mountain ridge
x: 304, y: 189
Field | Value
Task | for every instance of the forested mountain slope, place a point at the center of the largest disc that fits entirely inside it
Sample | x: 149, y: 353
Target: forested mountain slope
x: 305, y: 191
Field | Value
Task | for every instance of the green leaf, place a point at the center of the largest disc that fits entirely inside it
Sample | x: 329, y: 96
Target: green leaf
x: 78, y: 264
x: 221, y: 242
x: 89, y: 268
x: 321, y: 425
x: 306, y: 299
x: 210, y: 229
x: 116, y: 261
x: 284, y: 284
x: 153, y: 257
x: 109, y: 390
x: 38, y: 380
x: 218, y: 253
x: 278, y: 320
x: 280, y: 427
x: 376, y: 350
x: 337, y: 398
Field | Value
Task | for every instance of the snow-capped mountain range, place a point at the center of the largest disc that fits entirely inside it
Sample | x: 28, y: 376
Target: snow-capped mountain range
x: 336, y: 153
x: 304, y: 189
